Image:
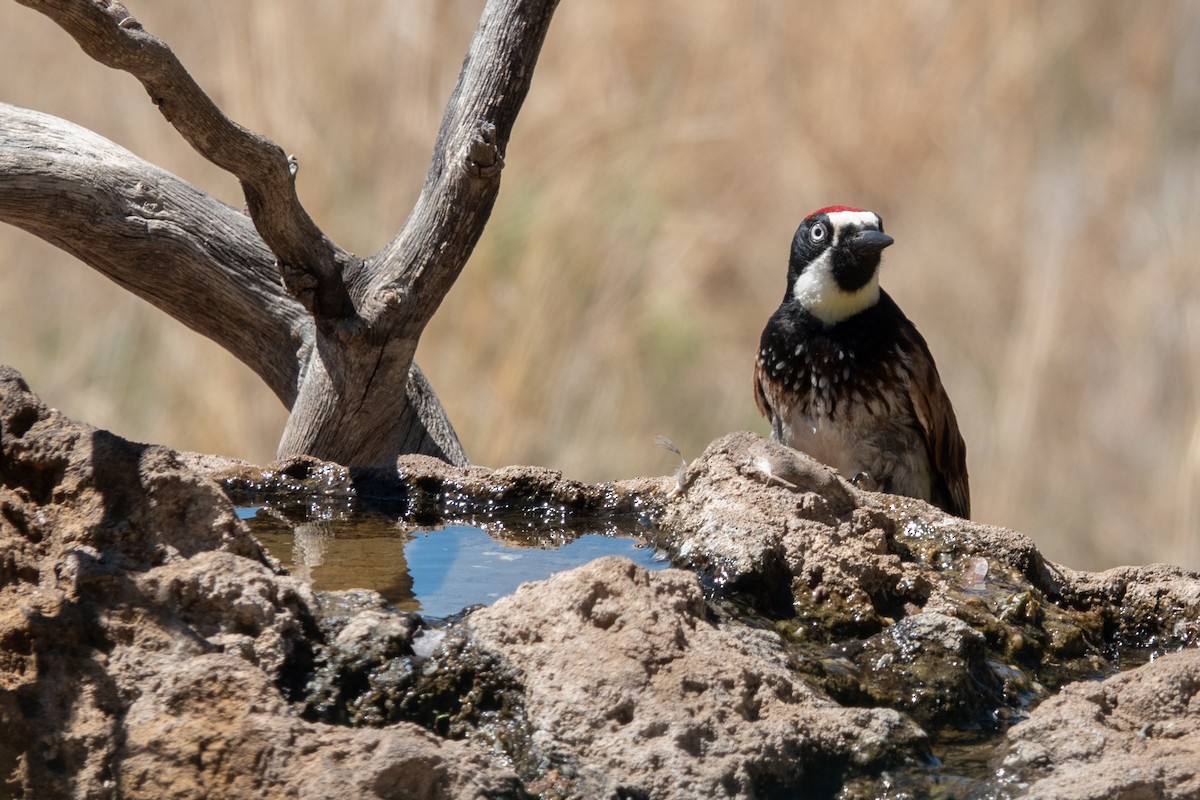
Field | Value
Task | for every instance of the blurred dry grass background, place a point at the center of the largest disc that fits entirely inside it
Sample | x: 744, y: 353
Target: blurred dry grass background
x: 1037, y: 162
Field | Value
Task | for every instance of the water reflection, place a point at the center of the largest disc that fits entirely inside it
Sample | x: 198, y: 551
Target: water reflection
x: 435, y: 572
x: 460, y: 566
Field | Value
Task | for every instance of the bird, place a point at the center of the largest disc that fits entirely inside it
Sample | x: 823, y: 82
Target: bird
x: 844, y: 376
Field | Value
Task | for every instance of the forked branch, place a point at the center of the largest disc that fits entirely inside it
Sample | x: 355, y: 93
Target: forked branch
x: 355, y: 394
x: 310, y: 263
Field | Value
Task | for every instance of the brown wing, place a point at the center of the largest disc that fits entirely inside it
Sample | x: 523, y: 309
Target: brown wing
x: 760, y: 396
x: 946, y: 448
x: 764, y: 390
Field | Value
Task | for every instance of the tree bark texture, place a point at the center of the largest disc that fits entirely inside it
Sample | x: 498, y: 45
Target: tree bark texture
x: 333, y: 336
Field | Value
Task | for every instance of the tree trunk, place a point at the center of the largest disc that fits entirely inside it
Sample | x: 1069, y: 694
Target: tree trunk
x: 332, y: 335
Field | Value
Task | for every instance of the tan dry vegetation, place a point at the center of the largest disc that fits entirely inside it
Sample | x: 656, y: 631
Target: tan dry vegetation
x: 1037, y: 162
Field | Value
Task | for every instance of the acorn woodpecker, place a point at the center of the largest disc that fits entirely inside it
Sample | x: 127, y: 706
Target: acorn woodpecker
x: 844, y: 376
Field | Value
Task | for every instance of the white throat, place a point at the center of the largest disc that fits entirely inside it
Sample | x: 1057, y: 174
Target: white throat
x: 818, y: 292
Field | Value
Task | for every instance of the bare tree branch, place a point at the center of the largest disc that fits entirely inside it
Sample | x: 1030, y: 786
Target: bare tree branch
x: 155, y: 234
x: 311, y: 264
x: 417, y: 268
x: 355, y: 394
x: 406, y: 281
x: 180, y: 249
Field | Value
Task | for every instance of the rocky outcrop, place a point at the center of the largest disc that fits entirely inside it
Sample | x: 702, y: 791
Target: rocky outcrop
x: 630, y: 688
x: 1133, y: 735
x: 149, y: 649
x: 815, y: 640
x: 887, y: 599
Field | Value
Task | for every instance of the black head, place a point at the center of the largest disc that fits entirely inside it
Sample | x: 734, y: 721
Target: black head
x: 834, y: 266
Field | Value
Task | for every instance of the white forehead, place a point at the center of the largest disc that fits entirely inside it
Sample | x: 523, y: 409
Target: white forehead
x: 841, y: 220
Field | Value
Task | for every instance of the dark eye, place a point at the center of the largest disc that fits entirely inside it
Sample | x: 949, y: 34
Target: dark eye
x: 818, y: 233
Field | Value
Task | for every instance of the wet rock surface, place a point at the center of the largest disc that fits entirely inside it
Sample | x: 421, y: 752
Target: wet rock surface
x: 866, y: 583
x: 932, y: 666
x: 1136, y: 734
x: 887, y: 601
x: 632, y: 688
x: 424, y: 490
x: 149, y: 649
x: 816, y: 641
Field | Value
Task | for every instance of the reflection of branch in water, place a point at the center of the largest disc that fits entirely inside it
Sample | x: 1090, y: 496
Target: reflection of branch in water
x: 310, y: 542
x: 348, y: 529
x: 440, y: 569
x: 351, y: 551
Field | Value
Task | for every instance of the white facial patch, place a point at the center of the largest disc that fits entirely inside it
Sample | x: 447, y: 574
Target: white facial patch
x: 842, y: 220
x: 817, y: 289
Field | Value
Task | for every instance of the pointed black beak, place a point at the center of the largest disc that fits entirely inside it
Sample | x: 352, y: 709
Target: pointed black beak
x: 867, y: 242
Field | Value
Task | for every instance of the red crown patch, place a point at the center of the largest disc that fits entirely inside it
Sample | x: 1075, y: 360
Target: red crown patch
x: 834, y: 209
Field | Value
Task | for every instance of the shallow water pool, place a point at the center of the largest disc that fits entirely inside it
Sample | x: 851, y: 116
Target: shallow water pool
x: 436, y: 572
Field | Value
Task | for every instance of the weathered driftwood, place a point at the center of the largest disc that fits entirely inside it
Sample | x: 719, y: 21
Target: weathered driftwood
x: 335, y: 339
